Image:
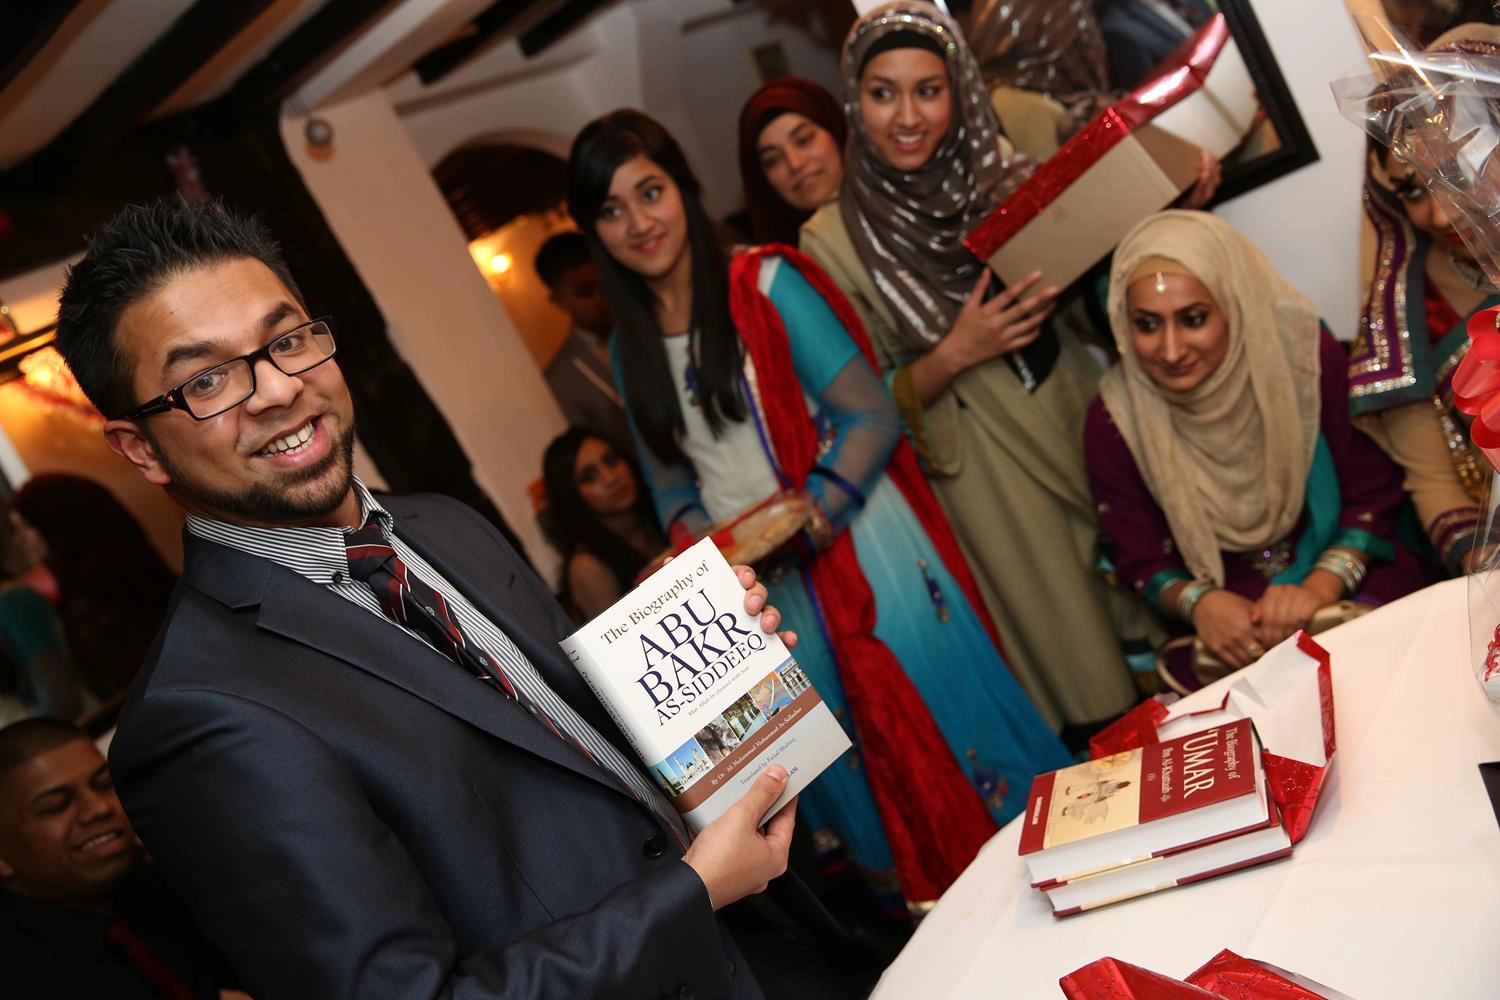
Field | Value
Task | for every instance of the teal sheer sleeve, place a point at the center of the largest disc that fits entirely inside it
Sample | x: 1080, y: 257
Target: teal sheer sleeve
x: 673, y: 485
x: 855, y: 412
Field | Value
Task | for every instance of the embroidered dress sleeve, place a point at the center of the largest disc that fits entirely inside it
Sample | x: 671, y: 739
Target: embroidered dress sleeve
x: 1145, y: 555
x: 1369, y: 482
x: 862, y: 423
x: 673, y: 485
x: 1413, y: 435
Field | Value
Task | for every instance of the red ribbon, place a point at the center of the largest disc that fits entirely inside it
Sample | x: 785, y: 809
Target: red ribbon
x: 1182, y: 73
x: 1476, y: 383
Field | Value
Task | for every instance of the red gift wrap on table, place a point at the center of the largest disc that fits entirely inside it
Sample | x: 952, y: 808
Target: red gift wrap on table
x: 1227, y: 976
x: 1476, y: 383
x: 1112, y: 979
x: 1192, y: 61
x: 1295, y: 784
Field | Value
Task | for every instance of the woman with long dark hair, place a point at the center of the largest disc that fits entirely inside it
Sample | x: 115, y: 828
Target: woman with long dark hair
x: 598, y: 517
x: 751, y: 376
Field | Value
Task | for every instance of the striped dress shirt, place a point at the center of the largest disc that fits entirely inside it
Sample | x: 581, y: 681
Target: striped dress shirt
x: 320, y: 555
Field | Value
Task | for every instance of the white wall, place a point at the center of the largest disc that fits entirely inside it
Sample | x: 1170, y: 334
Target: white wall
x: 685, y: 62
x: 381, y: 202
x: 1308, y: 221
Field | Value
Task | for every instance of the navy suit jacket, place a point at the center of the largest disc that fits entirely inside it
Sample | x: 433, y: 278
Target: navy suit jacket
x: 350, y: 814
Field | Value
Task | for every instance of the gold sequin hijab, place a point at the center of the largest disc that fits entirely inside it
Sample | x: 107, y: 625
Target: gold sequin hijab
x: 1227, y: 461
x: 908, y: 228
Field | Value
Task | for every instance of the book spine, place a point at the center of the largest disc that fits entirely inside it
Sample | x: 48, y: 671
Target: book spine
x: 1202, y: 876
x: 586, y: 665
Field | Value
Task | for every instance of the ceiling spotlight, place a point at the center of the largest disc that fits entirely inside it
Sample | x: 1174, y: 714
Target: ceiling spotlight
x: 500, y: 263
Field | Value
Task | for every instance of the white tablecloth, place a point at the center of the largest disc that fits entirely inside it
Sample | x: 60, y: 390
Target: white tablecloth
x: 1394, y: 893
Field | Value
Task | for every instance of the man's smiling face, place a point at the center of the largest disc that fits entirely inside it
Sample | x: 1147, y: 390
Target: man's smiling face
x: 282, y: 458
x: 63, y: 835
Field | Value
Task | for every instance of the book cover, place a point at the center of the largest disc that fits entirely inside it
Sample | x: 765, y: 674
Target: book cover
x: 705, y: 697
x: 1121, y: 808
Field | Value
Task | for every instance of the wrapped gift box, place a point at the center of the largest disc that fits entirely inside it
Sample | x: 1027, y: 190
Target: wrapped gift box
x: 1288, y: 695
x: 1227, y: 976
x: 1234, y: 978
x: 1112, y: 979
x: 1134, y: 159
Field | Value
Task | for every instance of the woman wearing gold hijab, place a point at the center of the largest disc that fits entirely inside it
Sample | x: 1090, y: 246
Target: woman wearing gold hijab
x: 992, y: 398
x: 1240, y: 498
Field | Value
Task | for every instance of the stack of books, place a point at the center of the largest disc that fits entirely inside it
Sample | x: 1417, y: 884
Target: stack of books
x: 1148, y: 819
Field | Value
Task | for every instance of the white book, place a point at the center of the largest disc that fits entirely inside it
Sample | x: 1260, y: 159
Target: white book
x: 705, y: 697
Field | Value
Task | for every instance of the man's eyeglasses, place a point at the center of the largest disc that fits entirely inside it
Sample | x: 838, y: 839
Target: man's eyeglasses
x: 228, y: 384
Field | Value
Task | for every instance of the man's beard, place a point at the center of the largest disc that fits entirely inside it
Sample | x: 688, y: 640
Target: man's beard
x: 279, y: 503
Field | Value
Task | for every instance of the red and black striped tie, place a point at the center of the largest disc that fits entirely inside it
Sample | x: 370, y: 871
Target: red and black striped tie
x: 408, y: 600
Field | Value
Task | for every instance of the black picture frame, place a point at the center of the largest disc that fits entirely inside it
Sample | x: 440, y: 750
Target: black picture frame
x: 1296, y: 149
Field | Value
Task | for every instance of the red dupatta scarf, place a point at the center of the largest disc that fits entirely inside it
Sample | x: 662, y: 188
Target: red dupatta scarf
x: 933, y: 817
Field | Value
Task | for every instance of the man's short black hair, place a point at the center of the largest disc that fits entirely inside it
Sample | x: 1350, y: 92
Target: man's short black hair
x: 21, y: 741
x: 559, y: 255
x: 130, y: 257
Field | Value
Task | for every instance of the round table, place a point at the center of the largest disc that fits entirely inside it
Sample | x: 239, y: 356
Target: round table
x: 1394, y: 893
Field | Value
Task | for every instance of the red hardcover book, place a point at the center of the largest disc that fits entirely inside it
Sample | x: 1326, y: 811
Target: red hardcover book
x: 1146, y: 802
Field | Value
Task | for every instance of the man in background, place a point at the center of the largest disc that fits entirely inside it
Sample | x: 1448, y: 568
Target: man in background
x: 581, y: 376
x: 82, y: 915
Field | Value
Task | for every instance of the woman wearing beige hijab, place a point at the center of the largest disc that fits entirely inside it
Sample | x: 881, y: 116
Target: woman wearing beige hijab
x: 1240, y: 498
x: 992, y: 398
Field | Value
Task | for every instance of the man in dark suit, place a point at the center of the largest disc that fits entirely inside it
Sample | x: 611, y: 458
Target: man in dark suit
x: 356, y: 749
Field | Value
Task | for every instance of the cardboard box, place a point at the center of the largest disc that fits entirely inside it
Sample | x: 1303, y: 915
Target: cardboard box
x: 1135, y: 159
x: 1147, y: 171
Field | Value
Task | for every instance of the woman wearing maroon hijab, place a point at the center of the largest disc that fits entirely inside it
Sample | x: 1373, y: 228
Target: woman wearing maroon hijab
x: 791, y: 155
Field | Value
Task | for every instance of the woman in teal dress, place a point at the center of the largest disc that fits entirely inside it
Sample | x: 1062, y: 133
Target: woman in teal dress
x: 750, y: 377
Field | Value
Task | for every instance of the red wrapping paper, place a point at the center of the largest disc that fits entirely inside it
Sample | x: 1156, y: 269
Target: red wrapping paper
x: 1112, y: 979
x: 1227, y: 976
x: 1476, y: 383
x: 1184, y: 72
x: 1294, y: 784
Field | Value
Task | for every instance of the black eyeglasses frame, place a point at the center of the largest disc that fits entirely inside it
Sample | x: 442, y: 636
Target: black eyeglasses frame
x: 175, y: 399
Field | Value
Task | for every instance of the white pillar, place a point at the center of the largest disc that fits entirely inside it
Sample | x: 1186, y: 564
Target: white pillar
x: 392, y: 221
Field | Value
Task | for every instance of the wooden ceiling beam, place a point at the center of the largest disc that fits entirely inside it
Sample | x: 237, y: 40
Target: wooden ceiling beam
x: 556, y: 25
x: 191, y: 40
x: 494, y: 20
x: 28, y: 27
x: 298, y: 57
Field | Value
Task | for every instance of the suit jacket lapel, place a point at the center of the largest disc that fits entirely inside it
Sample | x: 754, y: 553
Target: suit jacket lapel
x: 497, y: 594
x: 297, y: 609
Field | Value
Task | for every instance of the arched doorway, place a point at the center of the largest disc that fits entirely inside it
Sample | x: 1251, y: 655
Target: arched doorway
x: 510, y: 198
